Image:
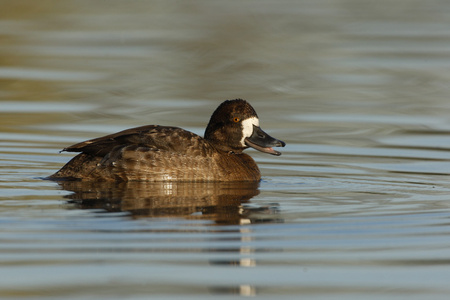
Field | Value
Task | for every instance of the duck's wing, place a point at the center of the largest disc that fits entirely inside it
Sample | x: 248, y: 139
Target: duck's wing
x: 155, y: 137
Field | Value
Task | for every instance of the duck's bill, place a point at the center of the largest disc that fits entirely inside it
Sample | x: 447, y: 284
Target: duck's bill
x: 263, y: 142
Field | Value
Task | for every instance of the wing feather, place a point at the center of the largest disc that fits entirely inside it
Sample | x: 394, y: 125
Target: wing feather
x: 156, y: 137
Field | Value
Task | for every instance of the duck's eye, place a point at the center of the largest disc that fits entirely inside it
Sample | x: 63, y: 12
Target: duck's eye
x: 236, y: 119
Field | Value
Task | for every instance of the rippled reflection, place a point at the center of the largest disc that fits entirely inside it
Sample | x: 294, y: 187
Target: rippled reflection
x: 223, y: 203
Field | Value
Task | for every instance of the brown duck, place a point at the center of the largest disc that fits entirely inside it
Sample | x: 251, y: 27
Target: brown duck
x: 162, y: 153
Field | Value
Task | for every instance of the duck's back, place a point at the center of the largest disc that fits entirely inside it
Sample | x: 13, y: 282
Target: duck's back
x: 155, y: 153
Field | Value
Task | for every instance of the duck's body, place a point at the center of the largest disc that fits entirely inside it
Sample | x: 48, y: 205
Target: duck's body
x: 160, y: 153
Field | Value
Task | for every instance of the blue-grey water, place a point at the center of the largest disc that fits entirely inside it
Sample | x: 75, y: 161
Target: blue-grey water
x: 357, y: 207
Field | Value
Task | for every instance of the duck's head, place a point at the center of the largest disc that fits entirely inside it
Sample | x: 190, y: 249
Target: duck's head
x: 234, y: 126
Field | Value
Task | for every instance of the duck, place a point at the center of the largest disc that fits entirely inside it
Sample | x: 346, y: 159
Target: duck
x: 157, y: 153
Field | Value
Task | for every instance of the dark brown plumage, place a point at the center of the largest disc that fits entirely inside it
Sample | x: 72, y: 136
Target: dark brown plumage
x: 161, y: 153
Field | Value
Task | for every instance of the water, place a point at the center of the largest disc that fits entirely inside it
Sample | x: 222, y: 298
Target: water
x: 357, y: 207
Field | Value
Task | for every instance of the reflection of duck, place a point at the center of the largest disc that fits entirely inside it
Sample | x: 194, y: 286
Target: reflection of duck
x: 220, y: 202
x: 159, y: 153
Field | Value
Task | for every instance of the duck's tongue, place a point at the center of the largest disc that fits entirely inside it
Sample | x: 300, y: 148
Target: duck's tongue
x: 262, y: 149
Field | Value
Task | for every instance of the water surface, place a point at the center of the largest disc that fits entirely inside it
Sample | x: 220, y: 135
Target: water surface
x: 357, y: 207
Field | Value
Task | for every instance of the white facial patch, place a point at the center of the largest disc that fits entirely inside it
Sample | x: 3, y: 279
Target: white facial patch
x: 247, y: 128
